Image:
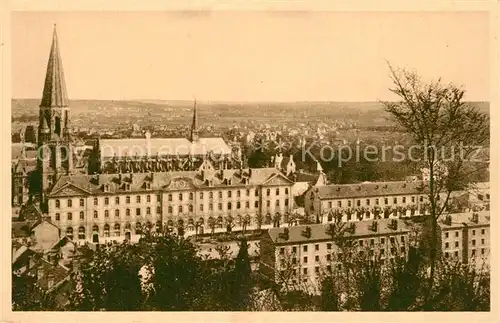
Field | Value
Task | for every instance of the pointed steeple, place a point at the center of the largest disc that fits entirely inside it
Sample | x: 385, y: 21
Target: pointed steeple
x: 54, y: 89
x: 194, y: 125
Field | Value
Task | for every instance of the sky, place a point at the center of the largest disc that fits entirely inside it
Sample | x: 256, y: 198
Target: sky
x: 248, y: 56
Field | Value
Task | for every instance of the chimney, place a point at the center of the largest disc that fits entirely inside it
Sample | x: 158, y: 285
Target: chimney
x: 353, y: 228
x: 394, y: 224
x: 475, y: 217
x: 119, y: 178
x: 152, y: 176
x: 447, y: 220
x: 374, y: 226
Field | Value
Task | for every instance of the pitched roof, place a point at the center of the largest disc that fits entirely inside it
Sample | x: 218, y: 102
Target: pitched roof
x: 54, y: 89
x: 161, y: 146
x: 319, y: 231
x: 88, y: 184
x: 459, y: 219
x: 368, y: 189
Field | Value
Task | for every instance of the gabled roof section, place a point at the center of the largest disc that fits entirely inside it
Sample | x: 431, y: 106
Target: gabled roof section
x: 277, y: 178
x: 65, y: 187
x: 54, y: 89
x: 369, y: 189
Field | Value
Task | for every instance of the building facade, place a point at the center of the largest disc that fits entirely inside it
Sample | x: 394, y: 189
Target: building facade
x: 107, y: 207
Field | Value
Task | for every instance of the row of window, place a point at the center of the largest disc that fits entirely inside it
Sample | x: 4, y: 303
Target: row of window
x: 170, y: 197
x: 457, y: 233
x: 386, y: 201
x: 106, y: 213
x: 305, y: 248
x: 456, y: 253
x: 473, y: 242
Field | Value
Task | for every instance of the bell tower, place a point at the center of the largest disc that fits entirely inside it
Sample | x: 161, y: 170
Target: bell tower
x: 55, y: 155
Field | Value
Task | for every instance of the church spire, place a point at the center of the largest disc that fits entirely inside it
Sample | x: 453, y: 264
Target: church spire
x: 54, y: 89
x: 194, y: 125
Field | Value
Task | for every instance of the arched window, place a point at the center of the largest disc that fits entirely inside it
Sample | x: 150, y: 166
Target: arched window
x: 58, y: 217
x: 191, y: 196
x: 268, y: 192
x: 95, y: 228
x: 190, y: 208
x: 70, y: 203
x: 170, y: 197
x: 117, y: 230
x: 180, y: 196
x: 70, y: 216
x: 169, y: 209
x: 148, y: 210
x: 220, y: 222
x: 82, y: 202
x: 58, y: 203
x: 128, y: 226
x: 180, y: 208
x: 149, y: 225
x: 238, y: 193
x: 81, y: 233
x: 96, y: 215
x: 148, y: 198
x: 106, y: 200
x: 117, y: 200
x: 286, y: 190
x: 117, y: 212
x: 158, y: 226
x: 277, y: 191
x: 138, y: 228
x: 106, y: 230
x: 106, y: 213
x: 82, y: 215
x: 127, y: 212
x: 69, y: 233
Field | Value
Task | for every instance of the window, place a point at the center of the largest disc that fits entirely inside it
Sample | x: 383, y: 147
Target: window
x: 228, y: 193
x: 238, y: 193
x: 316, y: 258
x: 190, y: 208
x: 482, y: 231
x: 211, y: 195
x: 339, y: 203
x: 58, y: 217
x: 372, y: 242
x: 70, y: 203
x: 248, y: 192
x: 482, y: 251
x: 268, y: 192
x: 294, y: 249
x: 294, y: 261
x: 220, y: 194
x: 277, y: 202
x: 69, y: 233
x: 446, y: 245
x: 238, y: 204
x: 376, y: 201
x: 180, y: 209
x: 305, y: 248
x: 349, y: 203
x: 229, y: 205
x: 473, y: 232
x: 328, y: 257
x: 201, y: 207
x: 138, y: 199
x: 395, y: 200
x: 482, y: 241
x: 210, y: 207
x: 256, y: 204
x: 349, y: 217
x: 96, y: 201
x: 148, y: 198
x: 148, y: 211
x: 421, y: 198
x: 169, y: 209
x: 58, y: 204
x: 137, y: 211
x: 393, y: 240
x: 316, y: 269
x: 201, y: 195
x: 330, y: 205
x: 305, y: 260
x: 358, y: 203
x: 456, y: 234
x: 82, y: 215
x: 456, y: 252
x: 158, y: 210
x: 127, y: 212
x: 304, y: 270
x: 367, y: 201
x: 256, y: 193
x: 473, y: 242
x: 96, y: 215
x: 282, y: 251
x: 386, y: 200
x: 456, y: 244
x: 117, y: 200
x: 286, y: 190
x: 446, y: 235
x: 117, y: 212
x: 413, y: 199
x: 382, y: 240
x: 127, y: 199
x: 404, y: 199
x: 316, y: 247
x: 81, y: 233
x: 70, y: 216
x: 220, y: 206
x: 190, y: 196
x: 170, y: 197
x: 106, y: 230
x: 247, y: 204
x: 82, y: 202
x: 403, y: 239
x: 106, y: 213
x: 180, y: 196
x: 360, y: 243
x: 106, y: 201
x: 277, y: 191
x: 329, y: 246
x: 268, y: 203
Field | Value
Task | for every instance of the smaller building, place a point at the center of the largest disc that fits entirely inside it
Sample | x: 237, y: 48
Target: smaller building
x: 466, y: 236
x: 298, y: 256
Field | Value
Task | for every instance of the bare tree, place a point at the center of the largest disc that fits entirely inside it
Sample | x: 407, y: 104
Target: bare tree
x: 439, y: 122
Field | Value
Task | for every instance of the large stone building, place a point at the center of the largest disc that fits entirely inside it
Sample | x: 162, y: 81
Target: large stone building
x: 104, y: 207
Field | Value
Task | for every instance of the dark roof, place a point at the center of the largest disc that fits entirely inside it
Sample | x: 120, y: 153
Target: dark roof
x: 54, y: 89
x: 90, y: 184
x: 319, y: 231
x: 369, y: 189
x: 458, y: 220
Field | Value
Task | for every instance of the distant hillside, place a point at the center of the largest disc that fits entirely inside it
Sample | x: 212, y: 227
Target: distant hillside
x: 101, y: 113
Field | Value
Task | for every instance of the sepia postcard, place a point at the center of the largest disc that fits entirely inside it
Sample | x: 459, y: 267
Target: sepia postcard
x: 230, y: 163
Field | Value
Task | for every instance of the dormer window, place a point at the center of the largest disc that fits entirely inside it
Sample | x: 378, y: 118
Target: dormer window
x: 126, y: 187
x: 147, y: 185
x: 106, y: 187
